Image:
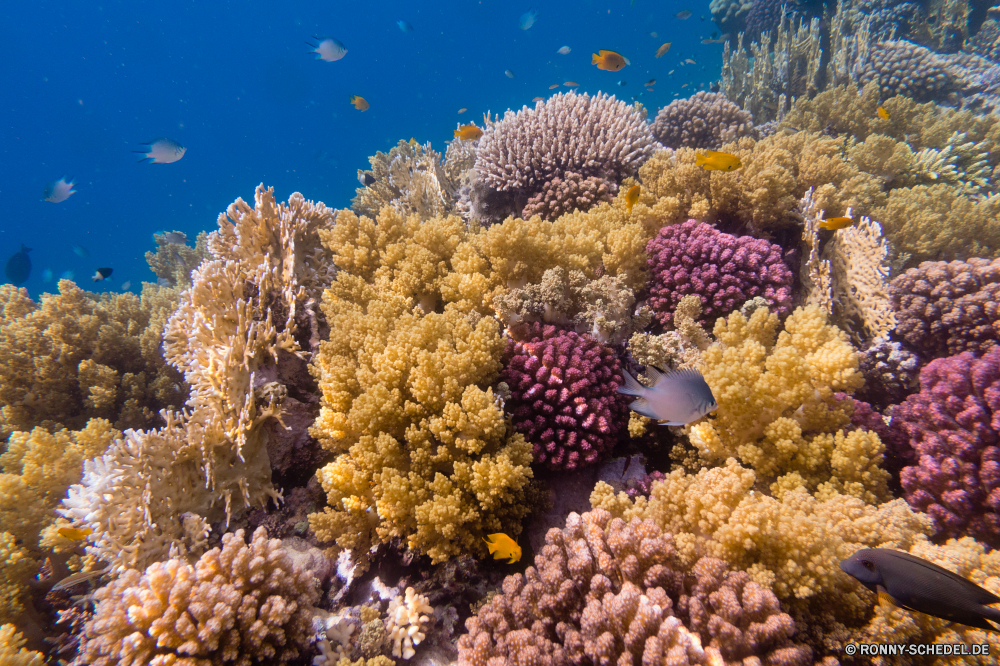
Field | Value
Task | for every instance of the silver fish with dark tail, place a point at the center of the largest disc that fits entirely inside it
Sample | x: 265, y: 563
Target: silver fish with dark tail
x: 675, y: 398
x: 918, y: 585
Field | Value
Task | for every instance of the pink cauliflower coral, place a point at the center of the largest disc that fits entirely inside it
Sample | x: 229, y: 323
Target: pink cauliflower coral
x: 564, y: 396
x: 953, y: 424
x: 724, y: 270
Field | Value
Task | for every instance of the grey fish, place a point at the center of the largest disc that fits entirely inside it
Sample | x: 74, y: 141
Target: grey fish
x: 174, y: 237
x: 918, y: 585
x: 328, y: 49
x: 162, y: 151
x: 676, y: 398
x: 18, y: 266
x: 58, y: 191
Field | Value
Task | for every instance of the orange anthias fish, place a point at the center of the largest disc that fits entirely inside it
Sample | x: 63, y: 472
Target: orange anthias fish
x: 502, y: 547
x: 713, y: 160
x: 74, y: 533
x: 882, y: 113
x: 468, y: 133
x: 553, y: 86
x: 835, y: 223
x: 359, y: 102
x: 631, y: 198
x: 608, y: 60
x: 662, y: 51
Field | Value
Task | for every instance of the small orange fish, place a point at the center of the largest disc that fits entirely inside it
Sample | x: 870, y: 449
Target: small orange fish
x: 631, y: 198
x: 359, y: 102
x: 662, y: 51
x: 835, y: 223
x: 570, y: 84
x: 882, y: 113
x: 462, y: 110
x: 553, y: 86
x: 74, y: 534
x: 608, y: 60
x: 502, y: 547
x: 468, y: 132
x: 713, y: 160
x: 537, y: 99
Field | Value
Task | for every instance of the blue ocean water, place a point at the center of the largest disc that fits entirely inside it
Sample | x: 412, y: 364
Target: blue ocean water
x: 84, y: 84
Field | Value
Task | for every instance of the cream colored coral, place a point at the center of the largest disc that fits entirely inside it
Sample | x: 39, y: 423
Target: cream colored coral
x: 16, y: 569
x: 407, y: 622
x: 243, y: 601
x: 12, y: 650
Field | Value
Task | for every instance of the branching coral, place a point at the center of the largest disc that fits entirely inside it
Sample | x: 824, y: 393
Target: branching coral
x: 606, y: 591
x: 249, y: 308
x: 174, y: 261
x: 952, y: 425
x: 704, y: 120
x: 793, y: 543
x: 597, y: 136
x: 724, y: 271
x: 407, y: 622
x: 947, y: 308
x: 243, y: 603
x: 564, y: 396
x: 777, y: 409
x: 12, y: 650
x: 76, y: 356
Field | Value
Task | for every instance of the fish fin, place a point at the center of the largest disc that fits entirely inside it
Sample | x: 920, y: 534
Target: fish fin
x: 642, y: 408
x: 594, y: 58
x: 885, y: 598
x: 632, y: 387
x: 655, y: 374
x: 700, y: 159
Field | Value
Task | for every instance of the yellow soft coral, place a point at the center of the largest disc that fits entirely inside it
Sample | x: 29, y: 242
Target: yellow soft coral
x: 777, y: 409
x: 12, y: 650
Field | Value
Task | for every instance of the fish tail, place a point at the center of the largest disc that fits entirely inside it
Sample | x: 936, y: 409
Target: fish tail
x: 700, y: 159
x: 594, y: 58
x: 992, y: 615
x: 632, y: 387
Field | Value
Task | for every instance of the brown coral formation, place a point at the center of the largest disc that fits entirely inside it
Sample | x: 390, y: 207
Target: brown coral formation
x: 904, y: 68
x: 568, y: 193
x: 75, y: 356
x: 704, y: 120
x: 241, y: 603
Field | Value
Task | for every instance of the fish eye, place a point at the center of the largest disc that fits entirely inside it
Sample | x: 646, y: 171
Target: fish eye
x: 868, y: 565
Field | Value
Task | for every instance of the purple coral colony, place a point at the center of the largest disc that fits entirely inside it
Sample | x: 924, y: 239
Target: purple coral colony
x: 293, y: 448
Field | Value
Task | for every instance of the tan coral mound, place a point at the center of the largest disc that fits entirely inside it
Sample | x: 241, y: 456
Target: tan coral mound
x: 241, y: 604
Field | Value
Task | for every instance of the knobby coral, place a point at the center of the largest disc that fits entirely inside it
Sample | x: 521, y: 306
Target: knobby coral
x: 704, y: 120
x: 564, y: 396
x: 608, y: 591
x: 239, y: 604
x: 724, y: 271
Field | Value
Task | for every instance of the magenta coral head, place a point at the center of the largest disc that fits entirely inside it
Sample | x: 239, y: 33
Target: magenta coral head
x: 723, y: 270
x: 953, y: 425
x: 564, y: 396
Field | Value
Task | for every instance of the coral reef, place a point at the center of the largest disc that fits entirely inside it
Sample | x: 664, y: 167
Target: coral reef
x: 568, y: 193
x: 593, y: 137
x: 564, y: 397
x: 902, y: 68
x: 76, y: 356
x: 173, y: 262
x: 407, y: 621
x: 949, y: 307
x: 777, y: 409
x: 607, y: 591
x: 951, y: 424
x: 724, y: 271
x: 704, y: 120
x: 241, y: 603
x: 248, y: 317
x: 12, y: 650
x: 891, y: 372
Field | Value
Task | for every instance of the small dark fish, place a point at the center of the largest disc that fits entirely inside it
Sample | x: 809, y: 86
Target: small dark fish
x: 18, y: 266
x: 102, y: 274
x: 404, y: 26
x: 651, y: 82
x: 365, y: 178
x: 623, y: 82
x: 918, y: 585
x: 162, y: 151
x: 715, y: 87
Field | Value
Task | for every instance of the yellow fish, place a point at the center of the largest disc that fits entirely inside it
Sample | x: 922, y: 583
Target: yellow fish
x: 608, y: 60
x: 882, y: 113
x: 662, y: 51
x: 835, y: 223
x: 74, y: 533
x: 631, y: 198
x: 359, y: 102
x: 713, y: 160
x: 502, y: 546
x: 468, y: 132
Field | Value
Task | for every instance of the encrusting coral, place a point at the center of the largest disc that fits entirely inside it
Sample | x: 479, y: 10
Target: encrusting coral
x: 724, y: 271
x: 564, y: 395
x: 241, y: 603
x: 607, y: 591
x: 949, y: 307
x: 777, y: 409
x: 76, y: 356
x: 249, y: 313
